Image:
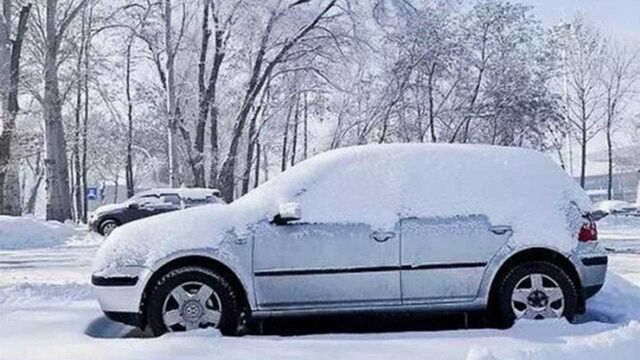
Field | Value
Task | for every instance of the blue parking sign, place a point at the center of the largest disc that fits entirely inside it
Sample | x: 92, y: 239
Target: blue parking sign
x: 92, y: 193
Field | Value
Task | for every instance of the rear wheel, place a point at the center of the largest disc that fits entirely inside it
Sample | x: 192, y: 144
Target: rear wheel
x: 535, y: 291
x: 193, y: 298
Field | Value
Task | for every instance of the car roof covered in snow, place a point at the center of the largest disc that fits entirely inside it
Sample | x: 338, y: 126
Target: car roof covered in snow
x: 187, y: 193
x: 376, y: 184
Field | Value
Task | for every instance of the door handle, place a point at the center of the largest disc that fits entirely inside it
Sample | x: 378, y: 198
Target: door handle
x: 382, y: 236
x: 501, y: 229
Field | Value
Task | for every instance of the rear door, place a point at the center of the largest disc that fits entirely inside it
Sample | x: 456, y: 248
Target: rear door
x: 443, y: 259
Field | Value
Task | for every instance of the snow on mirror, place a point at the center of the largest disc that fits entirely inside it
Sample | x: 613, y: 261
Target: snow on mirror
x: 289, y: 212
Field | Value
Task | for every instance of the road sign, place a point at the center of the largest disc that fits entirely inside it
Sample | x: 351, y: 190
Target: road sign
x: 92, y: 193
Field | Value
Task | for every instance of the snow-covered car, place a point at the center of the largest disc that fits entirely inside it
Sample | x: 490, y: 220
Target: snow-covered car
x: 371, y: 228
x: 149, y: 203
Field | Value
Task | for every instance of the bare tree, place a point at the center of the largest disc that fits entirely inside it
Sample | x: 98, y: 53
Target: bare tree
x: 207, y: 89
x: 621, y: 73
x: 51, y: 31
x: 10, y: 54
x: 585, y: 106
x: 171, y: 50
x: 261, y: 70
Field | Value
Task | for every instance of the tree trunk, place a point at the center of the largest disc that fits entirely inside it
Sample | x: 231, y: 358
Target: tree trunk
x: 583, y: 157
x: 285, y: 139
x: 77, y: 171
x: 129, y: 165
x: 305, y: 146
x: 611, y: 108
x: 432, y: 125
x: 583, y: 143
x: 172, y: 127
x: 610, y: 165
x: 115, y: 189
x: 7, y: 121
x: 58, y: 197
x: 203, y: 101
x: 294, y: 142
x: 211, y: 104
x: 12, y: 205
x: 251, y: 143
x: 38, y: 173
x: 215, y: 149
x: 10, y: 52
x: 256, y: 170
x: 85, y: 120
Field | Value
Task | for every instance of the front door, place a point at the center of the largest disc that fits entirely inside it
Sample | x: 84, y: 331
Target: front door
x: 300, y: 265
x: 443, y: 259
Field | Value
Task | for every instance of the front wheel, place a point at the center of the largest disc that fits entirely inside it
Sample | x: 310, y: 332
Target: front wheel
x: 536, y: 291
x: 108, y: 226
x: 193, y: 298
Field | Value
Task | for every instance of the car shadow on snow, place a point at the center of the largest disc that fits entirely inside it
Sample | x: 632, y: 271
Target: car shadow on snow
x: 343, y: 324
x: 370, y: 323
x: 103, y: 328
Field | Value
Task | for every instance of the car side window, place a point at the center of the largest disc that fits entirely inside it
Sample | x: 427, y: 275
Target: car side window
x: 147, y: 200
x: 172, y: 200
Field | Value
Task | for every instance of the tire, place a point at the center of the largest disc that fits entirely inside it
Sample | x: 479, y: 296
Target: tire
x: 223, y: 300
x: 106, y: 225
x: 521, y: 278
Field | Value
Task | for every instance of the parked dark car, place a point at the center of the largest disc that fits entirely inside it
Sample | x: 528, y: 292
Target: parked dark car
x: 148, y: 203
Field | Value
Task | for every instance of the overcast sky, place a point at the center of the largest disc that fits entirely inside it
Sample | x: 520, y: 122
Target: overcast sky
x: 620, y: 18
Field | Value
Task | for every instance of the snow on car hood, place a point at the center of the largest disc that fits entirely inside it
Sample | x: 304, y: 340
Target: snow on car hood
x: 375, y: 185
x: 109, y: 207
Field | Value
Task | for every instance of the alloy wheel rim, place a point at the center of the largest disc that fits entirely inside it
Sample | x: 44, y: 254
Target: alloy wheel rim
x: 191, y: 305
x: 536, y: 297
x: 109, y: 228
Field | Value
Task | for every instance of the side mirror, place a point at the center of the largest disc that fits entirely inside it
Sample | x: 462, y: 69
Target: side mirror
x: 134, y: 206
x: 288, y: 212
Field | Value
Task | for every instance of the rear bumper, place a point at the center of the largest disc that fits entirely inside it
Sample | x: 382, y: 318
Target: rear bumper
x: 590, y: 261
x: 589, y: 291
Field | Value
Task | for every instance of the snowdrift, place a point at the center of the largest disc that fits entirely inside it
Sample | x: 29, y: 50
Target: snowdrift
x: 30, y: 232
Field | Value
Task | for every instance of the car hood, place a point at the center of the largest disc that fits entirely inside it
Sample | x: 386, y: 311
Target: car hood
x: 145, y: 242
x: 109, y: 208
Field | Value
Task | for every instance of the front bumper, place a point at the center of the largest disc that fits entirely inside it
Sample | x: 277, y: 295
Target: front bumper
x: 93, y: 223
x: 120, y: 290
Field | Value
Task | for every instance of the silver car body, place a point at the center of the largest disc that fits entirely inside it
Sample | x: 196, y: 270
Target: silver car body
x: 433, y: 263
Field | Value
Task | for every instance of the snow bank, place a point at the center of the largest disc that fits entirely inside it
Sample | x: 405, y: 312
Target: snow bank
x: 30, y: 232
x: 375, y: 184
x: 35, y: 293
x: 617, y: 302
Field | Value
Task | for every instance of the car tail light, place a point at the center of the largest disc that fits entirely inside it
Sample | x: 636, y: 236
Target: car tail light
x: 588, y: 231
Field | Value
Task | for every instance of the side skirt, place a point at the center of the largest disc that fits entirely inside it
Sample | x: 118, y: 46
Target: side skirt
x: 443, y: 307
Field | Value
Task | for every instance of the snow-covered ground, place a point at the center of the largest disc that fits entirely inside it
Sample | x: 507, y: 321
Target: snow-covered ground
x: 47, y: 311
